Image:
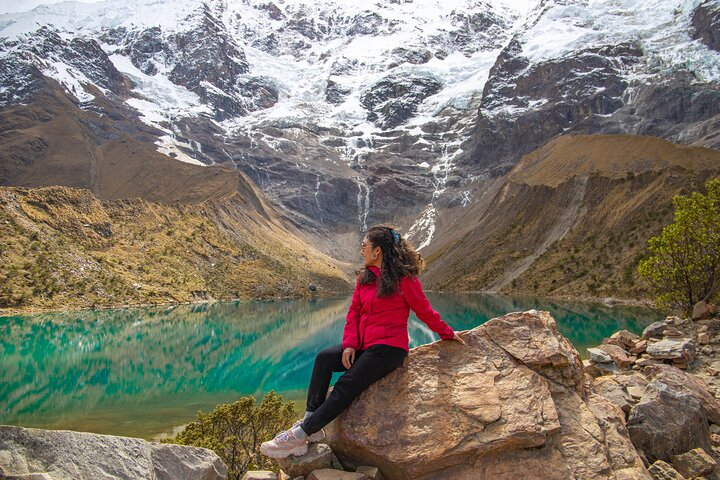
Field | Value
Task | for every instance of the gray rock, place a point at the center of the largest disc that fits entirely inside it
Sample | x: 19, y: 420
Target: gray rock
x: 706, y: 23
x: 395, y: 98
x: 80, y: 456
x: 654, y: 330
x: 680, y: 381
x: 682, y: 349
x: 667, y: 422
x: 598, y: 356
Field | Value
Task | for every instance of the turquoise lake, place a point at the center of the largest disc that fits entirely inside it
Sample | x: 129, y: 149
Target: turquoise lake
x: 143, y: 372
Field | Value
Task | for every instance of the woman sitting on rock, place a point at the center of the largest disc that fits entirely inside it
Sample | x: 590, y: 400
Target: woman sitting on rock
x: 375, y: 339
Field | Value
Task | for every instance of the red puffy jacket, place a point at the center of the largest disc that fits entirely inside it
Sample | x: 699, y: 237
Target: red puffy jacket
x: 384, y: 320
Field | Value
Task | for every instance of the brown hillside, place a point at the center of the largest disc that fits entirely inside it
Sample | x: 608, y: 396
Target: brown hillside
x: 52, y: 142
x: 612, y: 156
x: 65, y: 248
x: 108, y: 220
x: 580, y: 236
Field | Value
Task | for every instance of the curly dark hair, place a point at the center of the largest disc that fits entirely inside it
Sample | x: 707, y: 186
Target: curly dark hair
x: 399, y: 259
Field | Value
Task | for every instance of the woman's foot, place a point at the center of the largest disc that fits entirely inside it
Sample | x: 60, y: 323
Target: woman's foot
x: 315, y: 437
x: 289, y: 442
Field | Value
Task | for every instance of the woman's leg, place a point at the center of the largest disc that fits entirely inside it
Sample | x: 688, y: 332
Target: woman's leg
x: 369, y: 367
x: 327, y: 361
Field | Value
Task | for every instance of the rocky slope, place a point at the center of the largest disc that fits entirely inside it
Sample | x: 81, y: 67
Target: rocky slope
x: 65, y: 247
x: 570, y: 219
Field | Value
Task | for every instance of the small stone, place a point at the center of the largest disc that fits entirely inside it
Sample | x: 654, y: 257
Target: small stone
x: 623, y: 338
x: 259, y: 475
x: 671, y: 332
x: 702, y: 328
x: 589, y: 368
x: 371, y: 472
x: 694, y: 463
x: 331, y: 474
x: 702, y: 310
x: 703, y: 338
x: 639, y: 347
x: 654, y: 330
x: 617, y: 354
x: 715, y: 439
x: 663, y: 471
x: 318, y: 456
x: 646, y: 362
x: 636, y: 392
x: 283, y: 476
x: 707, y: 350
x: 597, y: 355
x: 673, y: 320
x: 607, y: 368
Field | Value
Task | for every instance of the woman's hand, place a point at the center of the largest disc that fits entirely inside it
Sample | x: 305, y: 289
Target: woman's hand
x: 457, y: 339
x: 348, y: 357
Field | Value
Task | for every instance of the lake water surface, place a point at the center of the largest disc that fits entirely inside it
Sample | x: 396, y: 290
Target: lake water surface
x: 141, y: 372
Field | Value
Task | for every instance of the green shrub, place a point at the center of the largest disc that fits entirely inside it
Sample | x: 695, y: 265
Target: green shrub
x: 235, y: 431
x: 684, y: 263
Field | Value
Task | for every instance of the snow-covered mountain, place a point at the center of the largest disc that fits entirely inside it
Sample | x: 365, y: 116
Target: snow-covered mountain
x: 347, y: 113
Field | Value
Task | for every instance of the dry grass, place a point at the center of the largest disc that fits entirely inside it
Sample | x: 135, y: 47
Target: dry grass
x: 64, y: 248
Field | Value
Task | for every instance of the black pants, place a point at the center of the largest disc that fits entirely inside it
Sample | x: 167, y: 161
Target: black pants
x: 370, y: 366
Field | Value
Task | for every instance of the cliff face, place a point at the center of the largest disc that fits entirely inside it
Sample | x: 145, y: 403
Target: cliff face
x: 571, y: 219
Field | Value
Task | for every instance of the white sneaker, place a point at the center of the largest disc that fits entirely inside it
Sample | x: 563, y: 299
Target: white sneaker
x: 315, y: 437
x: 284, y: 445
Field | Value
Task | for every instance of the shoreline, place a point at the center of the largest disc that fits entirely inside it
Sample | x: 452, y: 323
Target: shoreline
x: 8, y: 312
x: 607, y: 301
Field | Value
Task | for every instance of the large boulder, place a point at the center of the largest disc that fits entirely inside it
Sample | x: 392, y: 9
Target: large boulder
x: 678, y: 380
x: 667, y: 422
x: 88, y: 456
x: 510, y: 403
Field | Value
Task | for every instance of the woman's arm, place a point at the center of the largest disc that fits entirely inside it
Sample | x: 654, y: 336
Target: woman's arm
x: 350, y: 334
x: 413, y: 292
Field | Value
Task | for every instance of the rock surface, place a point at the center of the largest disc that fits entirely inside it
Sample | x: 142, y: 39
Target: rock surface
x: 61, y: 454
x: 667, y: 349
x: 694, y: 463
x: 664, y: 471
x: 667, y: 422
x: 319, y: 456
x: 510, y: 403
